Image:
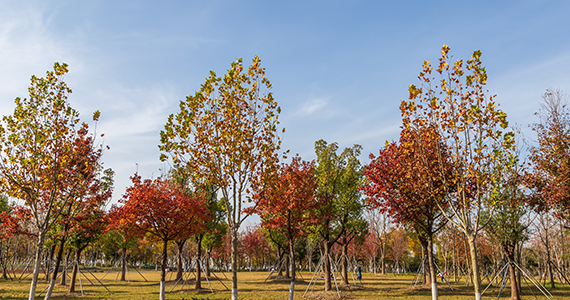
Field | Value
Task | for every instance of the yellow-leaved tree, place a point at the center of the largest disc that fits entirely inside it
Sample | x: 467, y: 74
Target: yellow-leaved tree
x: 226, y: 133
x: 473, y: 131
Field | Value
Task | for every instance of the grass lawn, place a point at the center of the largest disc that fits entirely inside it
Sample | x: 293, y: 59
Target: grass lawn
x: 252, y: 286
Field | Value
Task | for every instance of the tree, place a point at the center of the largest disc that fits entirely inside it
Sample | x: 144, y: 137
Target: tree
x: 82, y: 218
x: 227, y: 134
x: 472, y: 129
x: 339, y: 200
x: 404, y: 181
x: 8, y: 228
x: 157, y: 207
x: 287, y: 204
x: 38, y: 162
x: 551, y: 157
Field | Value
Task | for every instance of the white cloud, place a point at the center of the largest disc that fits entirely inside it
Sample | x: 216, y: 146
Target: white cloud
x: 312, y: 106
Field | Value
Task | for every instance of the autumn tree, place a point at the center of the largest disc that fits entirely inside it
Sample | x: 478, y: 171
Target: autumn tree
x: 160, y: 209
x: 287, y: 204
x: 8, y: 228
x: 551, y: 157
x: 339, y: 201
x: 82, y: 218
x: 379, y: 226
x: 37, y: 154
x: 403, y: 181
x: 473, y: 130
x: 227, y: 134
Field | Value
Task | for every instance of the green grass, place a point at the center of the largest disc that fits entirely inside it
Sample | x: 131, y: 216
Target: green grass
x: 251, y: 285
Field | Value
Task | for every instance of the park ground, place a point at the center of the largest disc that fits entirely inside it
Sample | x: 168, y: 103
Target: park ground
x: 252, y: 285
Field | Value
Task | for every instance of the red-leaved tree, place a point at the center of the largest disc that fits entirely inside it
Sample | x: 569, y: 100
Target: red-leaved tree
x: 157, y: 207
x: 287, y: 203
x: 405, y: 180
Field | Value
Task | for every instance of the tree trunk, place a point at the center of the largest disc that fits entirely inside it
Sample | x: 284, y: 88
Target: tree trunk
x: 234, y: 257
x: 179, y: 267
x: 383, y: 259
x: 474, y: 266
x: 279, y: 262
x: 56, y: 269
x: 509, y: 250
x: 327, y: 263
x: 425, y: 260
x: 198, y: 263
x: 292, y: 286
x: 345, y: 262
x: 124, y: 264
x: 64, y: 272
x: 207, y: 264
x: 75, y: 270
x: 39, y: 247
x: 163, y: 269
x: 433, y: 276
x: 287, y: 263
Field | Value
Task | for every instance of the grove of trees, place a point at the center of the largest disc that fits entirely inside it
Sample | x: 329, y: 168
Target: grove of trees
x: 459, y: 196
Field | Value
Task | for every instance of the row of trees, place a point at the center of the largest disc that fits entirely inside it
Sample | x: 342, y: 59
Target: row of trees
x: 456, y: 164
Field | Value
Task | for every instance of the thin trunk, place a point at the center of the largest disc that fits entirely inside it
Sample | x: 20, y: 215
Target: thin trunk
x: 207, y: 264
x: 425, y: 260
x: 179, y: 267
x: 49, y: 260
x: 198, y: 265
x: 163, y: 269
x: 234, y: 233
x: 64, y: 275
x: 292, y: 253
x: 75, y: 271
x: 280, y: 262
x: 124, y: 264
x: 475, y: 266
x: 383, y: 259
x: 433, y: 276
x: 509, y: 250
x: 345, y: 262
x: 327, y: 263
x: 287, y: 263
x: 56, y: 269
x: 39, y: 247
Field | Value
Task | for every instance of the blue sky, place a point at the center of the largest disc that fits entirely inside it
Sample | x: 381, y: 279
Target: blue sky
x: 339, y: 69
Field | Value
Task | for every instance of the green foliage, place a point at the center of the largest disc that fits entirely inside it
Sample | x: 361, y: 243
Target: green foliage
x: 339, y: 177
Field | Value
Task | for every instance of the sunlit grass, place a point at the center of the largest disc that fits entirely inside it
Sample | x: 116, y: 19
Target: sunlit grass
x: 252, y: 286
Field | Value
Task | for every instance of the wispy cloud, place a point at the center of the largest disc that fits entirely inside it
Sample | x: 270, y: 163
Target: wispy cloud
x: 313, y: 105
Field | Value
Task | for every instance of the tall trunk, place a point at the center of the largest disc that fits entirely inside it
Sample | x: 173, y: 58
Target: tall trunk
x: 207, y: 264
x: 280, y: 262
x: 64, y: 272
x: 345, y: 262
x: 549, y: 263
x: 383, y: 259
x: 433, y: 276
x: 37, y: 256
x: 179, y: 267
x: 198, y: 262
x: 75, y: 270
x: 425, y: 260
x: 56, y: 269
x: 234, y: 235
x: 475, y: 266
x: 3, y: 262
x: 327, y: 263
x: 292, y: 254
x: 163, y: 269
x: 509, y: 250
x: 124, y: 264
x: 49, y: 260
x: 287, y: 263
